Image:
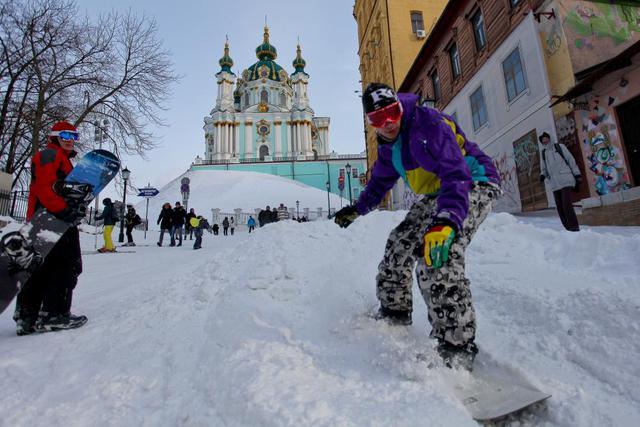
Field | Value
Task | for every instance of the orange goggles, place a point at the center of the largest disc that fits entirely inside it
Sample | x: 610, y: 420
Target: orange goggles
x: 391, y: 113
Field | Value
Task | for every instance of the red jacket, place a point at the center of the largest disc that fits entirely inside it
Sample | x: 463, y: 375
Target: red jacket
x: 48, y: 166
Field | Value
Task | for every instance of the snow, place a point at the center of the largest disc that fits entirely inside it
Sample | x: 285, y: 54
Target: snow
x: 272, y: 329
x: 228, y: 190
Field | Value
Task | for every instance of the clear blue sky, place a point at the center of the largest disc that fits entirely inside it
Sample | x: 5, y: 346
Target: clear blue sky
x: 194, y: 32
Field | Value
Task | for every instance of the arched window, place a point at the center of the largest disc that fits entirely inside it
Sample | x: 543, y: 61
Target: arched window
x: 246, y: 99
x: 264, y: 151
x: 283, y: 99
x: 315, y: 154
x: 264, y: 96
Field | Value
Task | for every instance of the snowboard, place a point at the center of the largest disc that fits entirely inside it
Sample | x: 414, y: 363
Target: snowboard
x: 492, y: 392
x: 23, y: 248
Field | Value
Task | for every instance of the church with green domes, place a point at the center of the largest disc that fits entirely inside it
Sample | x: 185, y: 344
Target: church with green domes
x: 264, y: 114
x: 263, y: 122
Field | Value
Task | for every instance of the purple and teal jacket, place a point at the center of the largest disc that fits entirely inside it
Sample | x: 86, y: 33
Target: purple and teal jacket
x: 434, y: 157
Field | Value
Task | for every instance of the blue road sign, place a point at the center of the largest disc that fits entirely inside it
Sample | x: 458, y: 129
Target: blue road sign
x: 148, y: 192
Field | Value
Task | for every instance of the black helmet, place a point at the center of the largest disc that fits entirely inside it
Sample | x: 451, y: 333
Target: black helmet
x: 377, y: 96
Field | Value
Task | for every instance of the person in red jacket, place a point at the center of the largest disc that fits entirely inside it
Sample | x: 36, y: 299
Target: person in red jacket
x: 44, y: 303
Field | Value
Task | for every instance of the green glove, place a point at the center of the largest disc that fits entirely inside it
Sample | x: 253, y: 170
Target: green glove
x: 437, y: 242
x: 345, y: 216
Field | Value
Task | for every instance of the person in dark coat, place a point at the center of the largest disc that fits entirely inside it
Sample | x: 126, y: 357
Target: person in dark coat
x: 165, y: 219
x: 187, y: 224
x: 44, y: 302
x: 225, y: 226
x: 216, y: 229
x: 109, y: 219
x: 179, y: 216
x: 131, y: 220
x: 274, y: 214
x: 232, y: 225
x: 264, y: 217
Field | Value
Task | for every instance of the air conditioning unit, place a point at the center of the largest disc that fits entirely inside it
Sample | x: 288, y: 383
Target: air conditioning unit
x: 421, y: 34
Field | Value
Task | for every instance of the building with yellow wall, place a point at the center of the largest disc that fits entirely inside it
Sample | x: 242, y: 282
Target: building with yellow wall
x: 390, y: 35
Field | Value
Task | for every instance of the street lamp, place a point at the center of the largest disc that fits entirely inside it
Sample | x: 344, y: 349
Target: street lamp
x: 298, y: 208
x: 328, y: 184
x: 348, y: 169
x: 126, y: 173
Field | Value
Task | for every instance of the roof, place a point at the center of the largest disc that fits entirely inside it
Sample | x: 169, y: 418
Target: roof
x: 591, y: 75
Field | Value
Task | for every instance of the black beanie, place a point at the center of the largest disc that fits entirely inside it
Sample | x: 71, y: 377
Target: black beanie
x: 377, y: 96
x: 543, y: 135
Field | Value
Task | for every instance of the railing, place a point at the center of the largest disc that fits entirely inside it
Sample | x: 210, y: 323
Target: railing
x: 280, y: 159
x: 14, y: 204
x: 241, y: 217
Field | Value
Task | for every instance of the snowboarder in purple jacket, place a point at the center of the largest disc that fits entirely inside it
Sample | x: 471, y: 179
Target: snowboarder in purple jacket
x: 458, y: 184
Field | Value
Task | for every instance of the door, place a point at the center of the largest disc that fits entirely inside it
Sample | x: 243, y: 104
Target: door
x: 628, y: 114
x: 533, y: 195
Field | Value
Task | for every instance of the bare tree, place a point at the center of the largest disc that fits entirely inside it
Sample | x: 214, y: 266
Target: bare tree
x: 57, y: 65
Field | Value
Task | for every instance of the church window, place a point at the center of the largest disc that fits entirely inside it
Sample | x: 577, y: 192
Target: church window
x: 315, y: 155
x: 246, y: 99
x: 283, y: 99
x: 264, y: 96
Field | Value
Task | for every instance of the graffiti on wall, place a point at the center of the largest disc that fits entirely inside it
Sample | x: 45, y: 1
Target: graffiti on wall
x: 601, y: 142
x: 598, y: 31
x: 525, y: 155
x: 506, y: 168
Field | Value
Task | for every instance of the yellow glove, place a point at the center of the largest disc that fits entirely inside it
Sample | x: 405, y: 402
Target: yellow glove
x: 437, y: 242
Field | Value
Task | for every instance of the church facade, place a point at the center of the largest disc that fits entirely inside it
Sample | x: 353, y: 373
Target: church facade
x: 263, y: 122
x: 264, y: 114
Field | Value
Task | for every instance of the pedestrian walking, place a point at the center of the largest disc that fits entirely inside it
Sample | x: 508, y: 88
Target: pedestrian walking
x: 199, y: 224
x: 458, y: 184
x: 179, y: 216
x: 216, y: 229
x: 251, y: 223
x: 187, y: 224
x: 225, y: 226
x: 132, y: 219
x: 559, y: 168
x: 109, y: 218
x: 232, y: 225
x: 165, y: 219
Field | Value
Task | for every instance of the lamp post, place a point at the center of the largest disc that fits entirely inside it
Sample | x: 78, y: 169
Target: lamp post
x: 298, y: 208
x: 126, y: 173
x: 328, y: 184
x: 348, y: 169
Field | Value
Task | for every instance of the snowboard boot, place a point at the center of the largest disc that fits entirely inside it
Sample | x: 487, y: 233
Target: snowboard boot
x: 457, y: 357
x: 393, y: 317
x: 60, y: 322
x: 25, y: 327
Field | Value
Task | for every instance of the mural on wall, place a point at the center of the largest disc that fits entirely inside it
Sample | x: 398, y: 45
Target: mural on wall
x: 601, y: 142
x: 597, y: 31
x: 506, y: 167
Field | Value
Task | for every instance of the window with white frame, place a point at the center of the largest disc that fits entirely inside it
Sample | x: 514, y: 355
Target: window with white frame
x: 454, y: 57
x: 477, y: 21
x: 514, y: 75
x: 354, y: 172
x: 478, y: 109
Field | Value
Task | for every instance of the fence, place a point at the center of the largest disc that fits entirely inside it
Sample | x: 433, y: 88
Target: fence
x: 14, y: 204
x: 241, y: 217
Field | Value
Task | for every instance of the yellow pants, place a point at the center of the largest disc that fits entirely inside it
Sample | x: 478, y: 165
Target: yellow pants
x: 108, y: 243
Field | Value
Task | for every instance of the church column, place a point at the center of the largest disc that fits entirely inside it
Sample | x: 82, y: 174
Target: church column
x: 236, y: 139
x: 248, y: 139
x: 298, y: 138
x: 218, y: 141
x: 325, y: 132
x: 307, y: 128
x: 278, y: 138
x: 227, y: 137
x: 289, y: 139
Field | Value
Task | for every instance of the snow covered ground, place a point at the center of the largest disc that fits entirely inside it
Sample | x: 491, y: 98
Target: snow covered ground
x: 271, y: 329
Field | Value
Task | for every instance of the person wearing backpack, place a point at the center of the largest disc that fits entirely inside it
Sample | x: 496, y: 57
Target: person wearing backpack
x: 560, y: 170
x: 109, y: 219
x: 131, y: 220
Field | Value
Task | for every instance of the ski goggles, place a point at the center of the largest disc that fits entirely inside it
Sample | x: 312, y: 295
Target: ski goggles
x: 391, y: 113
x: 66, y: 135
